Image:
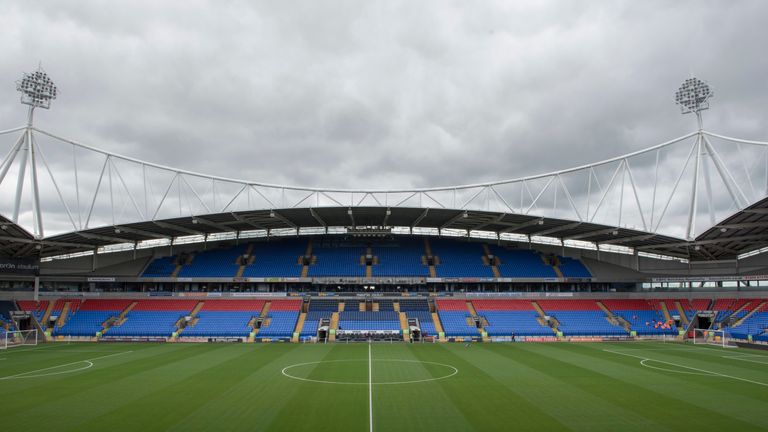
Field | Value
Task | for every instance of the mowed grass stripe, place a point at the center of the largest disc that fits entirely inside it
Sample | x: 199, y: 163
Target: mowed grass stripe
x: 17, y: 362
x: 484, y: 401
x: 171, y: 403
x: 420, y: 406
x: 251, y: 403
x: 43, y: 390
x: 578, y: 408
x: 326, y: 407
x: 705, y: 360
x: 68, y: 402
x: 664, y: 396
x: 709, y: 358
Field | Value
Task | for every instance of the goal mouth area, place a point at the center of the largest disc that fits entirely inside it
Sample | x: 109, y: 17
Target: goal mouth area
x: 713, y: 338
x: 17, y: 338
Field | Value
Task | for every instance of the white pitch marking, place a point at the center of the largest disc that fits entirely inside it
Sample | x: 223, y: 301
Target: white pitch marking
x: 643, y: 362
x: 689, y: 367
x: 36, y: 348
x: 370, y: 388
x: 89, y: 361
x: 285, y: 372
x: 749, y: 358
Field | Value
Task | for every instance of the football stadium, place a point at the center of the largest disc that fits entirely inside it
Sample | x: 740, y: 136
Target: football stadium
x: 626, y: 294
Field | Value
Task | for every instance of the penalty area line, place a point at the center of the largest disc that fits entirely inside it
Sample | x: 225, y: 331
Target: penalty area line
x: 644, y: 359
x: 29, y: 374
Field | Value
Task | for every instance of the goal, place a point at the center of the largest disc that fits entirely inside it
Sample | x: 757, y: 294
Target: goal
x: 712, y: 337
x: 16, y: 338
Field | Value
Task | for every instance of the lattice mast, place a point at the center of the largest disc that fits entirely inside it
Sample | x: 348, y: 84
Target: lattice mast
x: 693, y: 97
x: 37, y: 91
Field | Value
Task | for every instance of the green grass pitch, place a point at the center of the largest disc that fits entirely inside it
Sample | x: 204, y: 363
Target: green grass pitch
x: 421, y: 387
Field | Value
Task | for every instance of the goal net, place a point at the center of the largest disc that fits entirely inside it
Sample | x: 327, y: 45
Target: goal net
x: 10, y: 339
x: 712, y: 337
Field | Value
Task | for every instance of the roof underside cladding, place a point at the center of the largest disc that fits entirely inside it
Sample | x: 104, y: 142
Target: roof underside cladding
x: 740, y: 233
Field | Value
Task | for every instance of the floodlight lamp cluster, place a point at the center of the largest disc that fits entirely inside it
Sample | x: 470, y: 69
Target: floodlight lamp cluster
x: 693, y: 96
x: 37, y: 89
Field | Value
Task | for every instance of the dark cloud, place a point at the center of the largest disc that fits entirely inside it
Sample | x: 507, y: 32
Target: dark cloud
x: 351, y: 94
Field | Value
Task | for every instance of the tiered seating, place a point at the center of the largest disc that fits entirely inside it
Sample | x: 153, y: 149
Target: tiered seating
x: 508, y: 317
x: 645, y: 318
x: 312, y: 322
x: 580, y: 318
x: 455, y: 323
x: 283, y: 315
x: 6, y: 307
x: 324, y: 305
x: 153, y: 318
x: 522, y: 263
x: 452, y: 305
x: 161, y: 267
x: 574, y: 268
x: 426, y: 324
x: 318, y: 309
x: 369, y: 321
x: 335, y: 258
x: 460, y: 259
x: 726, y: 307
x: 400, y: 258
x: 37, y: 309
x: 225, y: 318
x: 276, y: 258
x: 415, y: 304
x: 386, y: 305
x: 419, y: 309
x: 453, y: 315
x: 214, y: 263
x: 89, y: 318
x: 352, y: 304
x: 755, y: 325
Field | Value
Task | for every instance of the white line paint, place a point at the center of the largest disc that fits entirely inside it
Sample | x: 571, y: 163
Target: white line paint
x: 286, y: 372
x: 752, y: 358
x: 645, y: 363
x: 688, y: 367
x: 370, y: 388
x: 47, y: 346
x: 36, y: 374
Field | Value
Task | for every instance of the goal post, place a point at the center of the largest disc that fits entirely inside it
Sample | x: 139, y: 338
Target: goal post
x: 16, y: 338
x: 711, y: 337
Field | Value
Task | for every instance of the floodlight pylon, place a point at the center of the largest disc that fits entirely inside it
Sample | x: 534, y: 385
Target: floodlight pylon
x: 37, y: 91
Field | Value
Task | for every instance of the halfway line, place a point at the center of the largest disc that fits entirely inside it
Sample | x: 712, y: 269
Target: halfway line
x: 370, y: 388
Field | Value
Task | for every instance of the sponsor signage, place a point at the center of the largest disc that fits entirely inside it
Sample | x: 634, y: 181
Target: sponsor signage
x: 28, y: 267
x: 258, y: 294
x: 710, y: 278
x: 101, y: 279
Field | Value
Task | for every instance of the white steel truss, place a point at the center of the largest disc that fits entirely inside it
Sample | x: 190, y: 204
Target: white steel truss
x: 63, y: 185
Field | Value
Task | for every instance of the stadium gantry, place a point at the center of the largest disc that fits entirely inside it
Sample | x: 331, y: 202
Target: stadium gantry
x: 701, y: 196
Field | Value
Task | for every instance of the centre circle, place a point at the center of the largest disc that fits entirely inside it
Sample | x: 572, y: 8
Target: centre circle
x: 402, y: 371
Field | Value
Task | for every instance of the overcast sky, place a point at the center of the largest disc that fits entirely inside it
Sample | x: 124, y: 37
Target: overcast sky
x: 383, y: 94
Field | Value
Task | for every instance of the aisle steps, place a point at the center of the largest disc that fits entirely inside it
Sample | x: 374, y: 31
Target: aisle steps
x: 404, y: 327
x: 299, y: 327
x: 681, y: 311
x: 334, y: 327
x: 243, y: 262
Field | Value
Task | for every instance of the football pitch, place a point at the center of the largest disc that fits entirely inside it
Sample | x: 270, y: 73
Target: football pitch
x: 638, y: 386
